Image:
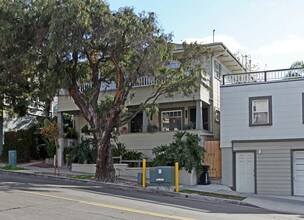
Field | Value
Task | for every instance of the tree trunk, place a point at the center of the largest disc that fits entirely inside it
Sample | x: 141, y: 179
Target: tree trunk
x: 105, y: 171
x: 47, y: 107
x: 1, y: 133
x: 1, y: 125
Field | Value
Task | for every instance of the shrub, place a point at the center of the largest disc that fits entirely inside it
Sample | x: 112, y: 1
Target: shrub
x: 185, y: 149
x: 83, y: 153
x: 120, y: 150
x: 71, y: 133
x: 49, y: 147
x: 50, y: 135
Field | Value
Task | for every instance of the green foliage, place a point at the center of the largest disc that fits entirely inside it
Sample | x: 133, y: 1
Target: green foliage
x: 105, y: 105
x: 85, y: 130
x: 25, y: 142
x: 152, y: 128
x: 84, y: 153
x: 297, y: 72
x: 68, y: 129
x: 185, y: 149
x: 120, y: 150
x: 132, y: 155
x: 297, y: 64
x: 50, y: 147
x: 49, y: 133
x: 83, y: 177
x: 19, y: 82
x: 10, y: 167
x: 71, y: 133
x: 189, y: 126
x: 65, y: 43
x: 66, y: 155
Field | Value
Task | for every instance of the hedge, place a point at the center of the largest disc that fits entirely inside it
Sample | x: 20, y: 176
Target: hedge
x: 25, y: 142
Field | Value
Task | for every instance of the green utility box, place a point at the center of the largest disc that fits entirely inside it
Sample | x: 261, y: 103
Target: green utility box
x: 162, y: 176
x: 12, y: 158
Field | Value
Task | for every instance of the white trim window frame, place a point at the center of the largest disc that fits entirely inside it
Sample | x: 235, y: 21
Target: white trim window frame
x: 260, y: 111
x: 217, y: 69
x: 171, y: 120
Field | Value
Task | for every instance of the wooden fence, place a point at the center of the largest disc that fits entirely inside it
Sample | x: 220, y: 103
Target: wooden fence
x: 213, y: 158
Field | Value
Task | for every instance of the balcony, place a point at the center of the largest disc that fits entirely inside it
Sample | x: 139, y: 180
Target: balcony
x: 142, y: 81
x: 263, y: 76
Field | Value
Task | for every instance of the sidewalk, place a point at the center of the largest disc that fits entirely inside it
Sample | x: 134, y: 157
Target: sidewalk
x: 285, y: 204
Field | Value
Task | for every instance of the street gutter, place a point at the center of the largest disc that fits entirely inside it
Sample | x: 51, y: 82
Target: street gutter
x: 190, y: 196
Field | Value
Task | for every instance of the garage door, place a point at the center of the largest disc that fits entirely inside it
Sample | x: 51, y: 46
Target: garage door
x: 245, y: 173
x: 298, y: 173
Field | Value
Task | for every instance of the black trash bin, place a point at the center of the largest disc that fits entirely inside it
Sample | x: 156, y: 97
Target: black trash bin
x: 204, y: 178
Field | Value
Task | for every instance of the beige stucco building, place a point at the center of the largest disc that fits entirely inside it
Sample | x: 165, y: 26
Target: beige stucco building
x: 199, y: 112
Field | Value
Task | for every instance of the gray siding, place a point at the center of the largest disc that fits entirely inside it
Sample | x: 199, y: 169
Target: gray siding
x: 227, y: 167
x: 273, y: 165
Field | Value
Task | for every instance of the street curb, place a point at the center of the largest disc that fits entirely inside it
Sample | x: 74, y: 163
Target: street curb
x: 130, y: 187
x: 215, y: 199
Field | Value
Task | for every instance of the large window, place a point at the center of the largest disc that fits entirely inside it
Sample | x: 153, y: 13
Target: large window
x: 260, y: 111
x: 171, y: 120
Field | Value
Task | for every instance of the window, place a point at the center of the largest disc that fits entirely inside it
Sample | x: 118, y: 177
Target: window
x: 171, y: 120
x: 217, y: 69
x: 260, y: 111
x: 217, y: 116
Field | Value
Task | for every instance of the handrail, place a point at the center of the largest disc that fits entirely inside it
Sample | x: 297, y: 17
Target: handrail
x: 263, y: 76
x: 142, y: 81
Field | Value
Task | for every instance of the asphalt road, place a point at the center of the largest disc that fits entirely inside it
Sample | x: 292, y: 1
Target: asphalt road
x: 39, y: 198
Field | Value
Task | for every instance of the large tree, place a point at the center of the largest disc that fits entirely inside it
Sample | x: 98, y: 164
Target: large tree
x: 83, y: 41
x: 15, y: 86
x: 297, y: 64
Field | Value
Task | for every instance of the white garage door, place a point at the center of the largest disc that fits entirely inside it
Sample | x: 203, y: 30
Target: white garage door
x: 298, y: 173
x: 245, y: 172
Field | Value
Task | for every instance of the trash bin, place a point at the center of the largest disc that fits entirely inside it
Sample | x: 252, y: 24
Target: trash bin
x: 12, y: 158
x: 204, y: 178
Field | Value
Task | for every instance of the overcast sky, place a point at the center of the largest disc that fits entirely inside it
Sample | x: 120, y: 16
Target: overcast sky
x: 270, y: 31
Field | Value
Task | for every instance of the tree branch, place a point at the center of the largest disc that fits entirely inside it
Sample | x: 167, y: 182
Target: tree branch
x: 160, y: 91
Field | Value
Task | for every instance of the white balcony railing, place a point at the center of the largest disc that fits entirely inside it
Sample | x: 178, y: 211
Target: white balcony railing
x: 263, y: 76
x: 141, y: 82
x: 145, y: 81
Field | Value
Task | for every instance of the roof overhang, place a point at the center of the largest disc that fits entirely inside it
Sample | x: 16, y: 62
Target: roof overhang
x: 223, y: 54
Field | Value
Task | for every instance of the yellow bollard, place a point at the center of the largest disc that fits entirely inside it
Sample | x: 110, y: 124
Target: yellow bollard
x: 176, y: 176
x: 144, y: 173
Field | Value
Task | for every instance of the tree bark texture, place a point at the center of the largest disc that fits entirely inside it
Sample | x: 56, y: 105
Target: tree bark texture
x: 105, y: 171
x: 1, y: 134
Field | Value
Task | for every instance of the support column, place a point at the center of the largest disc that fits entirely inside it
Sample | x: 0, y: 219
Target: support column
x: 145, y: 122
x: 60, y: 139
x: 199, y: 117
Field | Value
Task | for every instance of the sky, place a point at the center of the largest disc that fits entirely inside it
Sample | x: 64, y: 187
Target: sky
x: 270, y: 32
